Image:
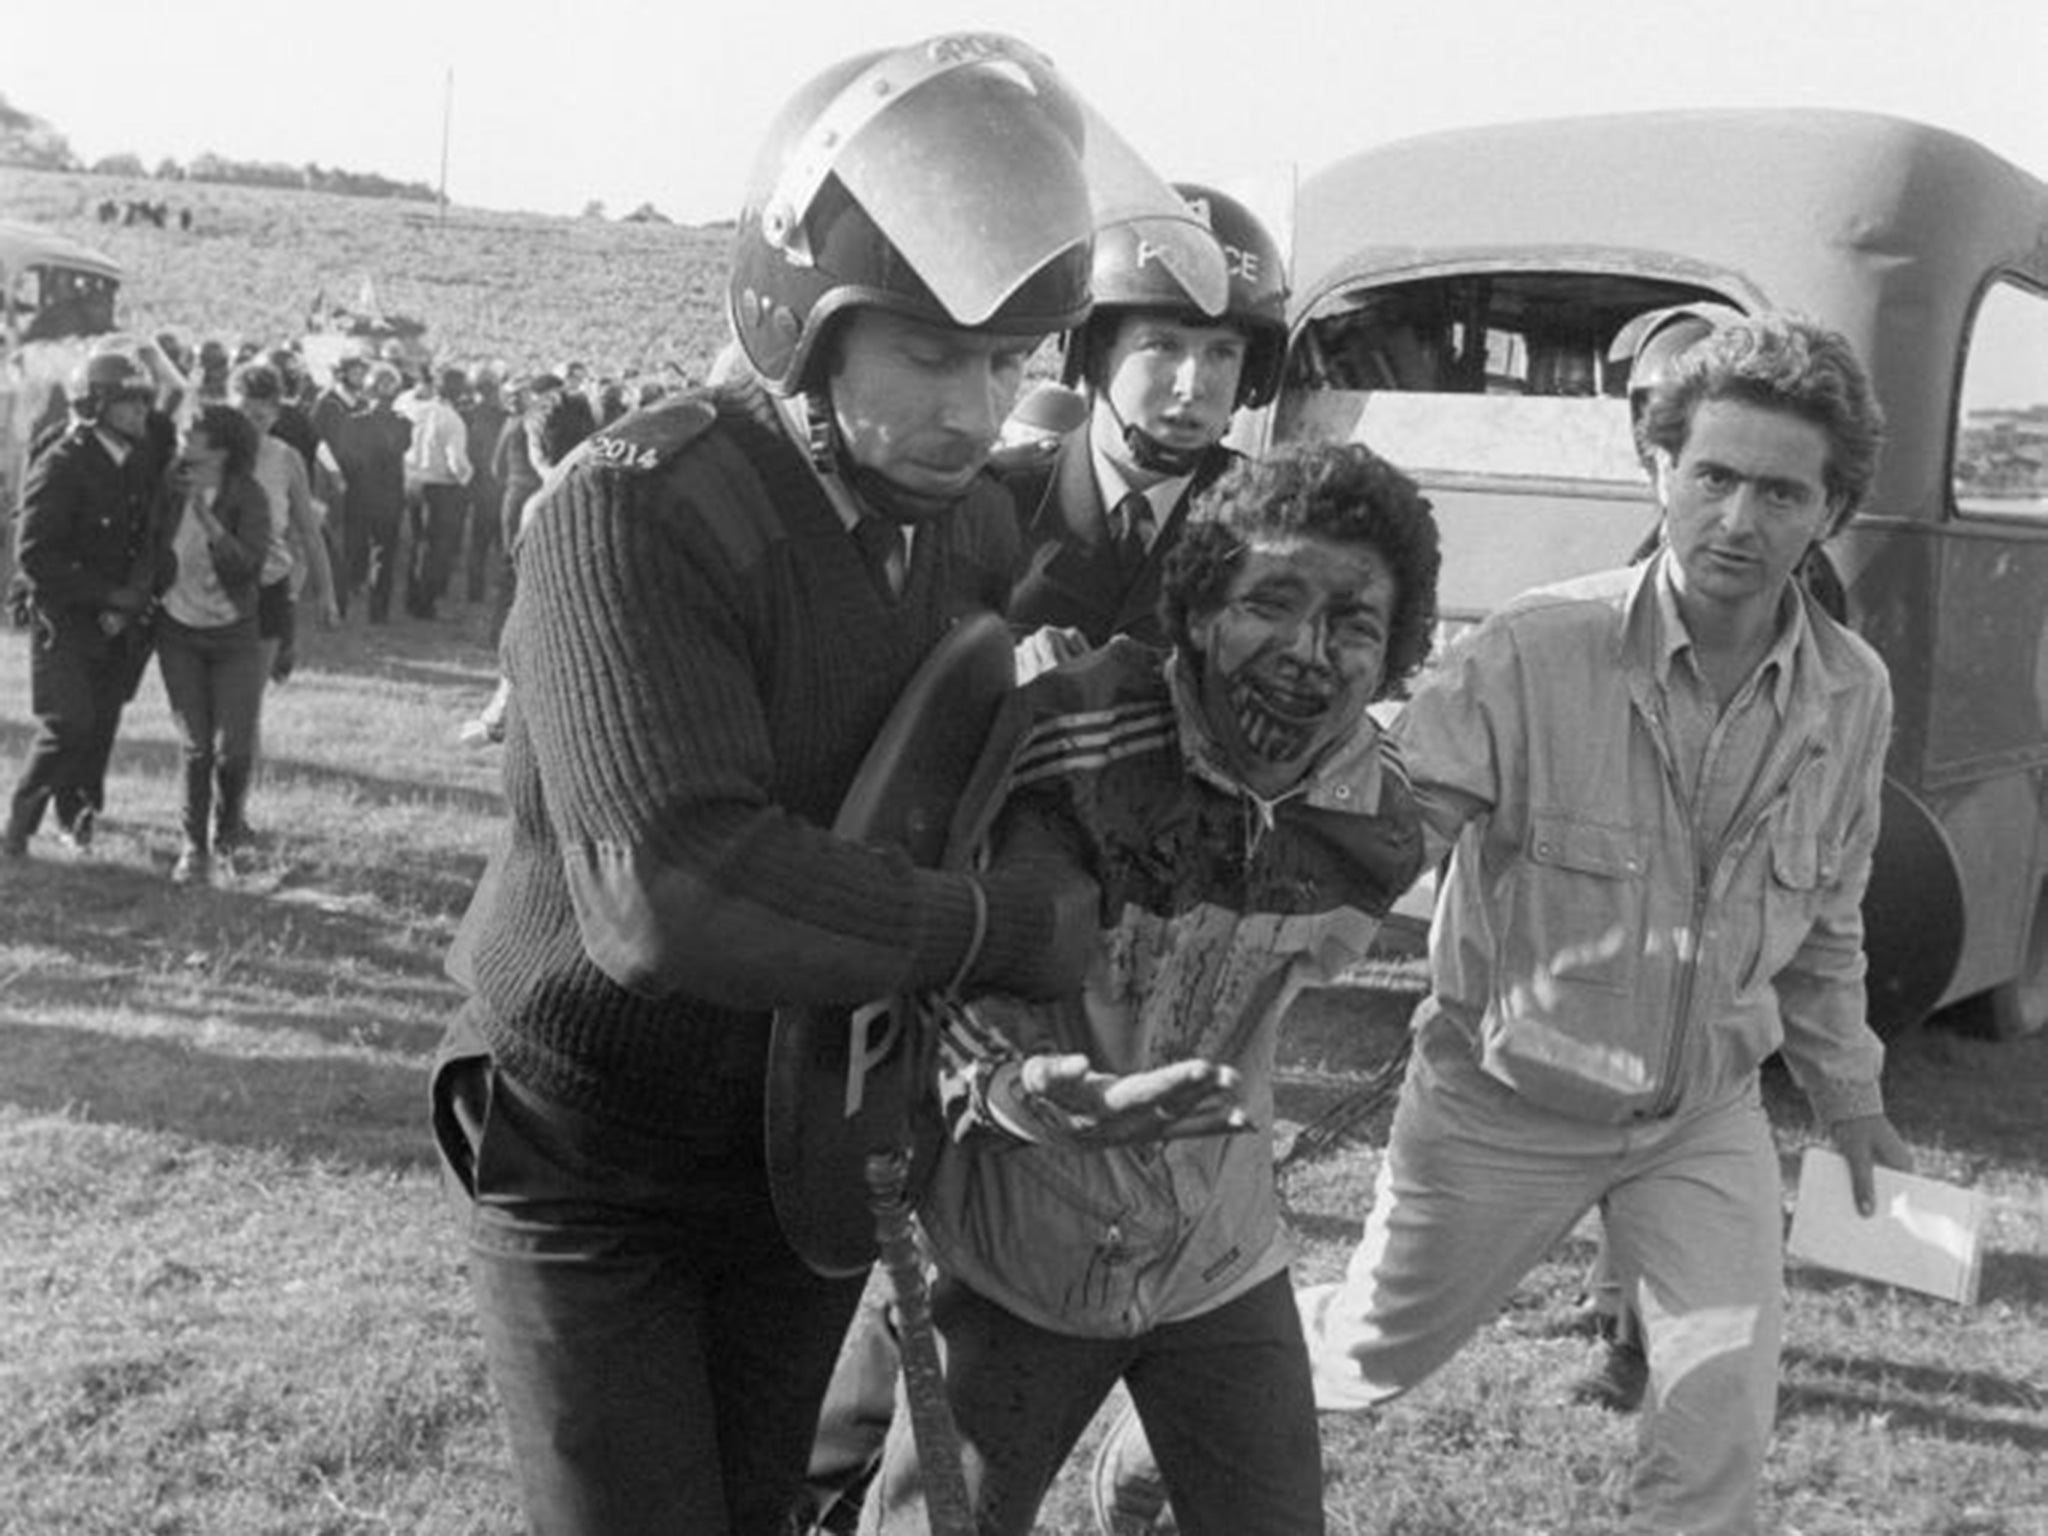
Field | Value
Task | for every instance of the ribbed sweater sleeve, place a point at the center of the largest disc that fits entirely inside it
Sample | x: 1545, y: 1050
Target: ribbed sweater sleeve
x: 652, y: 609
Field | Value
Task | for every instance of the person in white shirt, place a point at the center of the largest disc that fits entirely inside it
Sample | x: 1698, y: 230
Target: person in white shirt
x: 437, y: 470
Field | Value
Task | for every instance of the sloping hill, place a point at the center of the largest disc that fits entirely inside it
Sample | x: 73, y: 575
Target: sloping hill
x: 527, y: 288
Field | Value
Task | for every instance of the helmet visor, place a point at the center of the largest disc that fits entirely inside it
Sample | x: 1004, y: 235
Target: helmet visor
x: 979, y: 165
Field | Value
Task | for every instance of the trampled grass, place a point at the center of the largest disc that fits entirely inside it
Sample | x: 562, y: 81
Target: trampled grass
x: 231, y: 1301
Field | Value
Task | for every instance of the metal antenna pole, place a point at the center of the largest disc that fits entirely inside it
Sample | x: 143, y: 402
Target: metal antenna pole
x: 447, y: 113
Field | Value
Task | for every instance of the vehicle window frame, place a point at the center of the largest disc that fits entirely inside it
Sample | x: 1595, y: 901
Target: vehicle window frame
x: 1443, y: 285
x: 1960, y: 509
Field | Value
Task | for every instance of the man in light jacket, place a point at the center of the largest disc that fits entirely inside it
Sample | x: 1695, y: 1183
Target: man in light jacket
x: 1662, y: 787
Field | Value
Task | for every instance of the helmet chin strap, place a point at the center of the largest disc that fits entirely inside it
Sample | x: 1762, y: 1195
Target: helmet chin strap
x: 875, y: 492
x: 1150, y: 454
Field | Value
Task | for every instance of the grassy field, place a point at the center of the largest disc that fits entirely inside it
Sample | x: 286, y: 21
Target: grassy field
x: 230, y: 1302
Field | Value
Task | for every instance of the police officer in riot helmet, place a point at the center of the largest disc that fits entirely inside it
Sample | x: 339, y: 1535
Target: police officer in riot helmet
x: 89, y: 563
x: 1162, y: 374
x: 719, y: 599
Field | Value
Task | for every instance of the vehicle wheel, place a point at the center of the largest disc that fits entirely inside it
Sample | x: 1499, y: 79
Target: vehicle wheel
x: 2020, y: 1006
x: 1912, y: 915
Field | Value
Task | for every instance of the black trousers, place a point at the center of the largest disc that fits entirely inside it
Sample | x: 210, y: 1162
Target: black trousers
x: 437, y: 540
x: 79, y: 682
x: 658, y: 1350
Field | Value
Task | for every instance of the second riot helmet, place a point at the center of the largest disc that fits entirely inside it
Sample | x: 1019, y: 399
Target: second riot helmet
x: 1129, y: 276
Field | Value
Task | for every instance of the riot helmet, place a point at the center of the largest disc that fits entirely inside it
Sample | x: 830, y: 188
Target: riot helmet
x: 1652, y: 343
x: 956, y: 181
x: 109, y: 376
x: 1128, y: 276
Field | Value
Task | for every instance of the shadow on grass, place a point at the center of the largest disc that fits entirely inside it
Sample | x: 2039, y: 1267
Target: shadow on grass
x: 2018, y: 1279
x: 1978, y: 1097
x: 119, y: 925
x: 335, y: 1108
x: 475, y: 672
x: 243, y: 1017
x: 1977, y: 1407
x: 451, y: 652
x: 163, y: 760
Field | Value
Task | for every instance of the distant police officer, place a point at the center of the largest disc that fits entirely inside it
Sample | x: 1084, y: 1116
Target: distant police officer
x: 719, y: 601
x: 89, y: 569
x: 1163, y: 374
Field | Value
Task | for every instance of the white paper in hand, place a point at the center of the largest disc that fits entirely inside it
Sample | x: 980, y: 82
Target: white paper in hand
x: 1925, y: 1235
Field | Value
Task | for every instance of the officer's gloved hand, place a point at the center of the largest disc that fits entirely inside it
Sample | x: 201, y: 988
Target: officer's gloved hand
x: 1045, y: 648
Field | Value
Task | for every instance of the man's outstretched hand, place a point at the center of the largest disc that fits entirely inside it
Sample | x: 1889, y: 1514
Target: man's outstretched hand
x: 1075, y: 1103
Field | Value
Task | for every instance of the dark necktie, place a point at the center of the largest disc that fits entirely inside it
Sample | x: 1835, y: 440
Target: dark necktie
x: 881, y: 551
x: 1128, y: 526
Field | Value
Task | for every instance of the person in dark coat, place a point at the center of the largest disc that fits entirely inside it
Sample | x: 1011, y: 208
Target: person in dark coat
x: 294, y: 424
x: 375, y: 498
x: 484, y: 416
x: 518, y: 477
x: 91, y: 561
x: 336, y: 416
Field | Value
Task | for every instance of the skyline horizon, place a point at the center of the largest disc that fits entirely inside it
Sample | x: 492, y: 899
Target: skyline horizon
x: 530, y: 117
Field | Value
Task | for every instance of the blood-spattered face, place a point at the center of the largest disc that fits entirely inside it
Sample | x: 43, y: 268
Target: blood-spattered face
x: 1295, y: 653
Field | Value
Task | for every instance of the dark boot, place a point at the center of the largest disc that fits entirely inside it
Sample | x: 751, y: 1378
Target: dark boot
x: 21, y: 826
x: 198, y: 802
x: 230, y: 825
x: 194, y: 866
x: 77, y: 833
x: 1619, y: 1379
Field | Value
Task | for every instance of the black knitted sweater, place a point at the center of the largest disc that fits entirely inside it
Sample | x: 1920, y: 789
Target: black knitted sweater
x: 699, y: 662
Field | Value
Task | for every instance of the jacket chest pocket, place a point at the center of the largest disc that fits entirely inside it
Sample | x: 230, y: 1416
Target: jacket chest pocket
x: 1578, y: 907
x: 1801, y: 865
